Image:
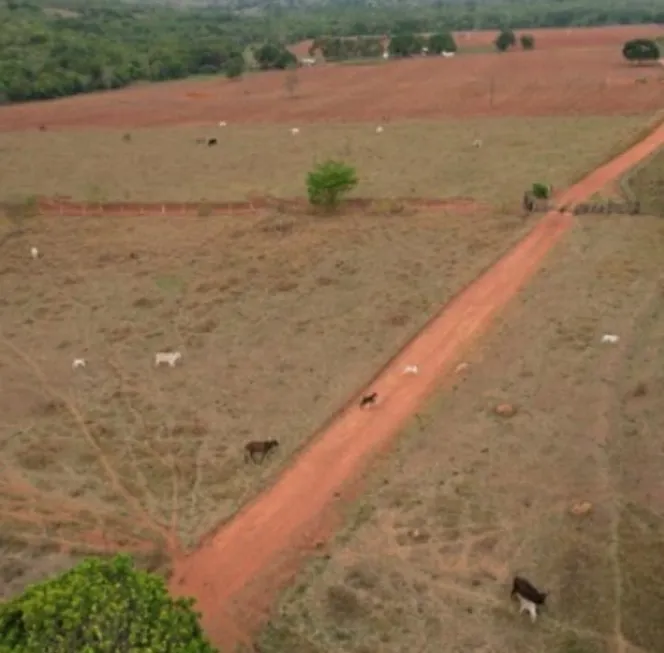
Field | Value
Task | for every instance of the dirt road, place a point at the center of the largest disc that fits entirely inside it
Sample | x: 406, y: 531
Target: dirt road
x: 249, y: 559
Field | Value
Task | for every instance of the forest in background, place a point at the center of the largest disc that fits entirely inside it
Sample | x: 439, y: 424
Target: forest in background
x: 65, y: 47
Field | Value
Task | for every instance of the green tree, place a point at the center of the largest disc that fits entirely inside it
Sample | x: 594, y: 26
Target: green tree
x: 405, y: 44
x: 101, y: 606
x: 505, y: 40
x: 640, y: 50
x: 235, y: 67
x: 274, y: 56
x: 328, y: 182
x: 441, y: 42
x: 527, y: 41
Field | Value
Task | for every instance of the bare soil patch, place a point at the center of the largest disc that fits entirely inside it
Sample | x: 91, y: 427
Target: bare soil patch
x: 408, y: 160
x: 470, y: 497
x: 565, y: 82
x: 278, y: 318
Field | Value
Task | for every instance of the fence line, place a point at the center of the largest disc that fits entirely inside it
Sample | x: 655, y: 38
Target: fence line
x: 66, y: 207
x: 608, y: 207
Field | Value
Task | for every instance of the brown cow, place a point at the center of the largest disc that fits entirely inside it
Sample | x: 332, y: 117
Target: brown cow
x: 262, y: 447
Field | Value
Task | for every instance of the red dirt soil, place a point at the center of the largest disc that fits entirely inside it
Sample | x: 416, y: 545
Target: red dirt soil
x: 539, y: 83
x: 253, y: 556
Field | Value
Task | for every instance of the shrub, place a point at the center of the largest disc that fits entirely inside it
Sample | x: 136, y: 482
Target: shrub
x: 640, y: 50
x: 527, y: 41
x: 441, y: 42
x: 541, y: 191
x: 505, y: 40
x: 271, y: 56
x: 101, y: 606
x: 405, y: 45
x: 328, y: 182
x: 235, y: 68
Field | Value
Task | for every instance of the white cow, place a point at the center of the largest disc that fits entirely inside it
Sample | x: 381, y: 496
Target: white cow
x: 167, y: 357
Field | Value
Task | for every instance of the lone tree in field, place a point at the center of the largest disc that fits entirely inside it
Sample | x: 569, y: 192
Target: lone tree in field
x: 527, y: 41
x: 441, y: 42
x: 641, y: 50
x: 505, y: 40
x: 328, y: 182
x: 101, y: 606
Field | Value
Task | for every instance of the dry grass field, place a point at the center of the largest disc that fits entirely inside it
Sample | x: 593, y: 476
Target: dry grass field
x: 417, y: 159
x: 278, y: 318
x: 469, y: 498
x: 647, y: 182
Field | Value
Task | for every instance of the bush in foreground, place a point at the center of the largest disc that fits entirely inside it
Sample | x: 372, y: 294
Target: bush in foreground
x: 328, y: 182
x: 101, y: 606
x: 541, y: 191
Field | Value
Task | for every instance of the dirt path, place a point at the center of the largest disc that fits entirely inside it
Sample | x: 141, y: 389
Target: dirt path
x: 249, y: 559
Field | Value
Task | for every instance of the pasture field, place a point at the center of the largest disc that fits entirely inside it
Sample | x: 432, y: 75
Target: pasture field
x: 647, y: 182
x: 411, y: 160
x: 549, y: 82
x: 469, y: 498
x: 279, y: 318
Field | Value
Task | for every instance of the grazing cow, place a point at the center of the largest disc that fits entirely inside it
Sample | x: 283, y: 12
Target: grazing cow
x: 171, y: 358
x: 211, y: 142
x: 262, y: 447
x: 529, y: 597
x: 368, y: 400
x: 42, y: 128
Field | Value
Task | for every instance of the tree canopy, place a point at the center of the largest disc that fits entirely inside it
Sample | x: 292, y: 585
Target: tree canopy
x: 441, y: 42
x: 101, y: 606
x: 641, y: 50
x: 505, y: 40
x: 406, y: 44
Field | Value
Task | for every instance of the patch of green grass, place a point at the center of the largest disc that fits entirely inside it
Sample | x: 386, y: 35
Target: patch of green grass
x: 170, y: 283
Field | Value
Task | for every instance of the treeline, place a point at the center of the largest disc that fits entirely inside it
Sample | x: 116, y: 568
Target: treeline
x: 371, y: 47
x: 375, y: 17
x: 58, y: 53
